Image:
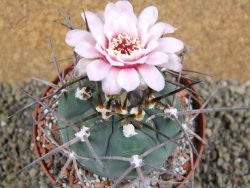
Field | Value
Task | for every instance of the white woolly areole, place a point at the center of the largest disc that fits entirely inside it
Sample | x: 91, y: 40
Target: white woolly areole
x: 171, y: 111
x: 82, y: 94
x: 184, y: 126
x: 129, y: 130
x: 104, y: 112
x: 124, y: 112
x: 135, y: 110
x: 136, y: 161
x: 82, y: 133
x: 72, y: 155
x: 79, y: 93
x: 64, y: 90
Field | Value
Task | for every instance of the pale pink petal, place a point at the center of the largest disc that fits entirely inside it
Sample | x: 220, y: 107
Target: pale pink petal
x: 125, y: 6
x: 152, y: 76
x: 87, y: 50
x: 123, y: 23
x: 108, y: 56
x: 97, y: 70
x: 174, y: 63
x: 146, y: 19
x: 114, y: 62
x: 170, y: 45
x: 100, y: 49
x: 160, y: 29
x: 100, y: 14
x: 128, y: 79
x: 74, y: 37
x: 143, y: 86
x: 140, y: 60
x: 112, y: 10
x: 130, y: 58
x: 118, y: 18
x: 148, y: 16
x: 157, y: 58
x: 96, y: 25
x: 152, y: 45
x: 80, y: 68
x: 110, y: 84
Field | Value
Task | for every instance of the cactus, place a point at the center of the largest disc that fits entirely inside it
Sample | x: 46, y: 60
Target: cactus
x: 133, y: 91
x: 106, y: 130
x: 118, y: 112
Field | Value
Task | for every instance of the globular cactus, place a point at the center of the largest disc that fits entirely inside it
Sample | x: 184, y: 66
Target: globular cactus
x: 112, y: 129
x: 104, y: 118
x: 119, y: 114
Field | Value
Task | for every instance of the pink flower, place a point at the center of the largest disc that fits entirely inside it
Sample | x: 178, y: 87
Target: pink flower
x: 124, y: 50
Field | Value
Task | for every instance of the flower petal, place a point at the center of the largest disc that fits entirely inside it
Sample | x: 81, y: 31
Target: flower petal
x: 87, y: 50
x: 139, y: 60
x: 157, y: 58
x: 108, y: 56
x: 80, y: 68
x: 114, y: 62
x: 160, y: 29
x: 124, y: 23
x: 110, y: 84
x: 170, y: 45
x: 128, y: 79
x: 97, y: 70
x: 74, y: 37
x: 120, y: 18
x: 174, y: 63
x: 95, y: 24
x: 112, y: 10
x: 146, y: 19
x: 124, y: 6
x: 152, y: 76
x: 152, y: 45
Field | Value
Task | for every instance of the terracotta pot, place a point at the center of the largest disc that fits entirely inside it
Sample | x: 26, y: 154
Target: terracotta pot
x: 200, y: 130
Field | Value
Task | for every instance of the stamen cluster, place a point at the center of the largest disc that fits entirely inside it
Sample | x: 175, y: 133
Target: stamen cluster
x: 125, y: 44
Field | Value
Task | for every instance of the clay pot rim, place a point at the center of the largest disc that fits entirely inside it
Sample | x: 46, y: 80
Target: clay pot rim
x: 201, y: 121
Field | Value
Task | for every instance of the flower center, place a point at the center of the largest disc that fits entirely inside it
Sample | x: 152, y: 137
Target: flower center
x: 125, y: 44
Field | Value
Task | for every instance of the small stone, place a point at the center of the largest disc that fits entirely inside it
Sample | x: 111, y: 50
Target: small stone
x: 220, y: 162
x: 234, y: 126
x: 10, y: 177
x: 3, y: 123
x: 33, y: 172
x: 209, y: 133
x: 226, y: 157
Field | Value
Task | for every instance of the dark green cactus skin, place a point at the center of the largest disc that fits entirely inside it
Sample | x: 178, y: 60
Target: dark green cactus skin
x: 107, y: 138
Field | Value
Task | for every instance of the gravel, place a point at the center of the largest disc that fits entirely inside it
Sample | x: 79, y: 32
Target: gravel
x: 225, y: 162
x: 16, y: 144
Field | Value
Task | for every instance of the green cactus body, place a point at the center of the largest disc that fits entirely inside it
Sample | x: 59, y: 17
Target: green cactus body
x: 106, y: 135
